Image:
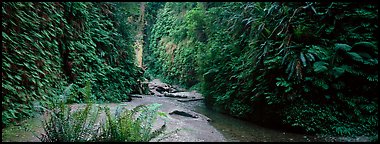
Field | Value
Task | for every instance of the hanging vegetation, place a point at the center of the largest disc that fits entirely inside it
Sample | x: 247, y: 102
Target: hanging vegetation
x: 307, y: 66
x: 311, y: 66
x: 48, y: 45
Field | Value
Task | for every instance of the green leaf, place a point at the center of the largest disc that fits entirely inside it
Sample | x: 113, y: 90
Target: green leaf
x: 8, y: 87
x: 355, y: 56
x: 5, y: 35
x: 302, y: 57
x: 27, y: 65
x: 292, y: 68
x: 320, y: 66
x: 365, y: 45
x: 162, y: 114
x: 337, y: 71
x: 343, y: 47
x: 288, y: 89
x: 329, y: 29
x: 310, y: 57
x: 18, y: 77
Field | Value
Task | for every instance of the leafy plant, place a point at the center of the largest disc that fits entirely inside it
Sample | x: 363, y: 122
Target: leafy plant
x: 306, y: 65
x: 61, y: 124
x: 48, y: 45
x: 131, y: 125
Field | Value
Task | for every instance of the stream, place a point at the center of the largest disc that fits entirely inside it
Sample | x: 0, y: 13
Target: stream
x: 236, y: 130
x: 216, y: 126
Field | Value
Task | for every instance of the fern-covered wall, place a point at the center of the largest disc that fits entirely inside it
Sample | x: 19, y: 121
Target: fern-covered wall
x: 172, y: 52
x: 48, y: 45
x: 311, y: 66
x: 31, y: 61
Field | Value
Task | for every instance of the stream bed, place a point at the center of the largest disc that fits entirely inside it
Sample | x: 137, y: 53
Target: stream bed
x: 237, y: 130
x: 213, y: 128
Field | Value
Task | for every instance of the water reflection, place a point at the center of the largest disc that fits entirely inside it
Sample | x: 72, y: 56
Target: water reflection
x: 237, y: 130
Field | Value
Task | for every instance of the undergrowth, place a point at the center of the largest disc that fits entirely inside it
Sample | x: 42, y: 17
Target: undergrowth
x: 63, y: 124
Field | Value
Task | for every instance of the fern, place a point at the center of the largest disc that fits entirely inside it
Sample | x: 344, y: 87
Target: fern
x: 320, y: 66
x: 62, y: 125
x: 343, y: 47
x: 131, y: 125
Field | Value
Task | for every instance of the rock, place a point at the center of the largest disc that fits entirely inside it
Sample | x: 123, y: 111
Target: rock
x: 156, y: 93
x: 178, y: 89
x: 156, y: 87
x: 161, y: 89
x: 172, y: 90
x: 177, y: 95
x: 187, y: 100
x: 136, y: 96
x: 182, y: 113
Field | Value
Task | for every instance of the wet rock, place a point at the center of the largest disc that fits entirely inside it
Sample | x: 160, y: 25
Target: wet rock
x: 187, y: 100
x: 178, y: 89
x: 136, y: 96
x: 158, y: 88
x: 156, y: 93
x: 176, y: 95
x: 182, y: 113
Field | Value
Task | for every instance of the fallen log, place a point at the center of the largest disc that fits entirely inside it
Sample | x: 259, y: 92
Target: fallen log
x: 187, y: 100
x: 136, y: 96
x: 182, y: 113
x: 174, y: 95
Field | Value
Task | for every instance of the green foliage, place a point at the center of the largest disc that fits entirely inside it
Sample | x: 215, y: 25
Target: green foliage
x: 62, y: 124
x: 172, y: 45
x: 304, y: 64
x: 320, y: 66
x: 313, y: 65
x: 49, y: 45
x: 30, y: 57
x: 131, y: 125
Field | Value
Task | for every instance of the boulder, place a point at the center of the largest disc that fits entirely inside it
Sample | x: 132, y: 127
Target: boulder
x: 158, y: 88
x: 176, y: 95
x: 182, y: 113
x: 187, y: 100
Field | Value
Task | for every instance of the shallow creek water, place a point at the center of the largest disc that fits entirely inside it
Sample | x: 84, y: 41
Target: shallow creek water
x: 237, y: 130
